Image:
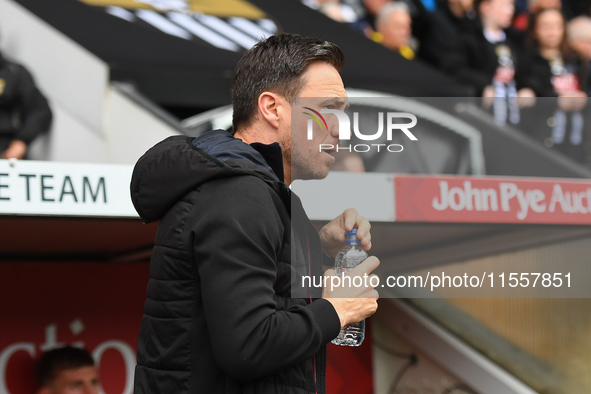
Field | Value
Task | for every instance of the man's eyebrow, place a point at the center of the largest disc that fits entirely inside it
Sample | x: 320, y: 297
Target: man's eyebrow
x: 336, y: 101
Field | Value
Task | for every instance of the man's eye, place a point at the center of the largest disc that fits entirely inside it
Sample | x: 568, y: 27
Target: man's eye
x: 329, y: 106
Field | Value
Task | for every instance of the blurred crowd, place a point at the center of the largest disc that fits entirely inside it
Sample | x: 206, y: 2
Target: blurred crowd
x: 507, y: 51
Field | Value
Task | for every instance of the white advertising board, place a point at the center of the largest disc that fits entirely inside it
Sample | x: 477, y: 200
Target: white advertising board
x: 65, y: 189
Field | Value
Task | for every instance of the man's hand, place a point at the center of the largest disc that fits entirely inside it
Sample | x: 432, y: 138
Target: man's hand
x: 352, y: 303
x: 333, y: 234
x: 526, y: 97
x: 16, y: 150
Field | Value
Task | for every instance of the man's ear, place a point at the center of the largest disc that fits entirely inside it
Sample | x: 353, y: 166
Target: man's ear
x: 269, y: 104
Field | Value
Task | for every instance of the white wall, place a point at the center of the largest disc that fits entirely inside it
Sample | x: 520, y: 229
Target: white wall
x: 130, y: 129
x: 69, y: 140
x: 93, y: 122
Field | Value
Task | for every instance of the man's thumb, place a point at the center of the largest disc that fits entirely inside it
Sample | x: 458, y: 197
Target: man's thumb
x: 330, y: 272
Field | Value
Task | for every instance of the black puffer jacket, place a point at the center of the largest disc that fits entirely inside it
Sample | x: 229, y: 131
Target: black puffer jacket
x: 219, y: 317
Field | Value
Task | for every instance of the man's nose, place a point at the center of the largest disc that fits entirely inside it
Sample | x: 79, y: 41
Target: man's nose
x: 334, y: 130
x: 90, y: 389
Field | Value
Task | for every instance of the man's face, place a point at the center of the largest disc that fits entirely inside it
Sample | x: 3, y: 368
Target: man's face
x: 396, y: 31
x: 74, y: 381
x: 323, y: 89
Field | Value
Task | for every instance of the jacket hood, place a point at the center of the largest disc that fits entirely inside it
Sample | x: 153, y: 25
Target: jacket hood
x: 178, y: 164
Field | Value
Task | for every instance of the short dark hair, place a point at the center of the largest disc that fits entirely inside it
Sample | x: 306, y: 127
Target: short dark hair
x: 276, y: 64
x: 53, y: 362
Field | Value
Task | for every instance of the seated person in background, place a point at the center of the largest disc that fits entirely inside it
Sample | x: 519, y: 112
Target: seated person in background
x: 372, y: 8
x: 66, y: 370
x: 490, y: 57
x: 394, y: 28
x: 556, y: 72
x: 579, y: 40
x: 24, y: 112
x: 420, y: 16
x: 448, y: 21
x: 555, y: 68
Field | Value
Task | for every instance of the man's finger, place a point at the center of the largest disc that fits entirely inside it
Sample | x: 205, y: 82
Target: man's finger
x: 366, y: 241
x: 330, y: 272
x: 363, y: 227
x: 350, y: 215
x: 375, y: 294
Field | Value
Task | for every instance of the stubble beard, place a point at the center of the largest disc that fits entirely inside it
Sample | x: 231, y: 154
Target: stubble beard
x: 303, y: 168
x: 301, y: 165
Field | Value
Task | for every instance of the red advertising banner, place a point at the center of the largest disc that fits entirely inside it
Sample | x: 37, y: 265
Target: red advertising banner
x: 96, y: 306
x: 492, y: 200
x: 99, y: 306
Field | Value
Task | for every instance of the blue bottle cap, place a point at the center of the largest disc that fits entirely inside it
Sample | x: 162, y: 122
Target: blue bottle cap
x: 351, y: 232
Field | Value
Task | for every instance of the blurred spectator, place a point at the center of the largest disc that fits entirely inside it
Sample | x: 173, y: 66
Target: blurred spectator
x: 394, y: 28
x: 555, y: 69
x: 458, y: 11
x: 421, y: 18
x: 67, y: 370
x: 448, y: 21
x: 24, y: 112
x: 373, y: 8
x: 556, y: 72
x: 491, y: 58
x: 579, y: 38
x: 422, y: 22
x: 521, y: 20
x: 344, y: 11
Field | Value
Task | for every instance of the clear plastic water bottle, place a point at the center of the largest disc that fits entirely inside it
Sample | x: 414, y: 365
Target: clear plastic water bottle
x: 348, y: 258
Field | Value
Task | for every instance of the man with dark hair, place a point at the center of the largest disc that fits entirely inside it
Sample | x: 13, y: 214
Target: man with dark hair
x: 66, y: 370
x: 260, y: 69
x: 221, y: 315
